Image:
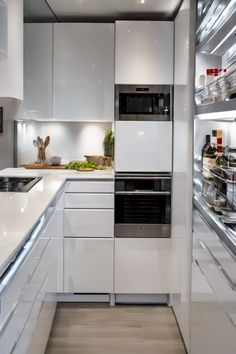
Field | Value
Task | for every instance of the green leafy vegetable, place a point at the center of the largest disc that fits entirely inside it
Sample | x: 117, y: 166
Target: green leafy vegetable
x: 75, y: 165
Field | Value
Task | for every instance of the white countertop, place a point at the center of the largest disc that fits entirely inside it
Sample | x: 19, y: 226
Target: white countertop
x: 19, y: 212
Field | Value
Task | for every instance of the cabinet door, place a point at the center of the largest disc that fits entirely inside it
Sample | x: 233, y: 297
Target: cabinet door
x: 11, y: 56
x: 143, y: 146
x: 84, y: 71
x: 88, y: 265
x: 144, y: 52
x: 37, y: 71
x: 89, y: 223
x: 142, y: 266
x: 213, y: 302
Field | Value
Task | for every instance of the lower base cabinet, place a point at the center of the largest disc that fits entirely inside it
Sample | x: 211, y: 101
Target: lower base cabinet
x: 143, y: 266
x: 88, y: 265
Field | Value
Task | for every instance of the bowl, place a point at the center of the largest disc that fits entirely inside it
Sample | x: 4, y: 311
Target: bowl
x: 55, y: 160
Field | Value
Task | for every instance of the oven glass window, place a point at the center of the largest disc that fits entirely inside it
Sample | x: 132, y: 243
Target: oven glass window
x: 143, y: 209
x: 144, y: 104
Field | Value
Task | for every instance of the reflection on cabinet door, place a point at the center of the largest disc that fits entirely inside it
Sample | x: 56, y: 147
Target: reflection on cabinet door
x: 88, y: 200
x: 144, y: 52
x: 88, y: 265
x: 89, y: 223
x: 83, y: 71
x: 143, y: 266
x: 38, y: 51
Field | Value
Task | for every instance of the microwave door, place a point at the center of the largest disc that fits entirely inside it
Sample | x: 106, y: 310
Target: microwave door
x: 143, y: 146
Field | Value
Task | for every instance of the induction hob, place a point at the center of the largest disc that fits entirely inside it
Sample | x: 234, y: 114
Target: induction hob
x: 17, y: 184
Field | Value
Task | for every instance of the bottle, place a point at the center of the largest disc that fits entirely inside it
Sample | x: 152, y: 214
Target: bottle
x: 206, y: 146
x: 214, y: 138
x: 208, y: 157
x: 219, y: 147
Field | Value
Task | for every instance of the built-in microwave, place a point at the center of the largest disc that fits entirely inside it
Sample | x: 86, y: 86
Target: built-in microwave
x: 144, y: 102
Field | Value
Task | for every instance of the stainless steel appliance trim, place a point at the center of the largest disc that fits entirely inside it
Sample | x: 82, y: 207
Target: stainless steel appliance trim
x: 166, y: 89
x: 139, y: 192
x: 143, y: 88
x: 146, y: 117
x: 143, y: 230
x: 142, y: 176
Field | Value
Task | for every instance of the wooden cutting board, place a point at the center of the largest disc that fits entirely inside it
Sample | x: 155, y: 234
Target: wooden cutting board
x: 41, y: 166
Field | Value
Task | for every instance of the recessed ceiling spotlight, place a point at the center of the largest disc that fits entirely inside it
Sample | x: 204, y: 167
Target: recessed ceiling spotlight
x: 142, y: 2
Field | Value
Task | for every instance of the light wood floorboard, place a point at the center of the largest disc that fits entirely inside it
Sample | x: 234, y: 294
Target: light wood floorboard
x: 101, y: 329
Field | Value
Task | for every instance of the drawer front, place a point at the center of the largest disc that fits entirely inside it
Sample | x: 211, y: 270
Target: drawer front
x: 89, y: 201
x: 90, y: 187
x: 88, y: 265
x: 89, y: 223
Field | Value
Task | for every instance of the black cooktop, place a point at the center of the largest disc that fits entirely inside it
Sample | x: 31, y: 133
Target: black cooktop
x: 17, y: 184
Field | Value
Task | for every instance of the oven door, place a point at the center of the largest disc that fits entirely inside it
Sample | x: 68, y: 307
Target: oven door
x: 143, y: 208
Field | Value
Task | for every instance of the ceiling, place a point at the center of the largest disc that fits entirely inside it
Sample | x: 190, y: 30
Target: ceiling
x: 99, y: 10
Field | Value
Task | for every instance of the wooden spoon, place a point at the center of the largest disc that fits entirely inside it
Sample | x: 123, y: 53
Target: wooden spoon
x: 46, y: 141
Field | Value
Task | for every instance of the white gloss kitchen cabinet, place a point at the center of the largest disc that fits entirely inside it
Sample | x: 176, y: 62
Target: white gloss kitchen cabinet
x: 83, y: 71
x: 143, y: 266
x: 88, y: 236
x: 144, y: 52
x: 213, y: 296
x: 26, y: 310
x: 11, y: 49
x: 143, y: 146
x: 38, y: 51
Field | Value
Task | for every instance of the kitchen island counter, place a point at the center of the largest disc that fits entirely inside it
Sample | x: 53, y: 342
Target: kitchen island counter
x: 20, y: 212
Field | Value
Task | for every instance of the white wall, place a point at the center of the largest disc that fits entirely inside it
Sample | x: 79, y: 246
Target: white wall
x: 7, y: 138
x: 71, y: 141
x: 11, y: 66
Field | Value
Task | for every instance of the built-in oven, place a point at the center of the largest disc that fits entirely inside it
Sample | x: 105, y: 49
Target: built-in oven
x: 143, y: 205
x: 144, y: 102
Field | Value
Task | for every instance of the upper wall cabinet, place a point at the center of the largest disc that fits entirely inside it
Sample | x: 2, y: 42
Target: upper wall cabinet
x: 38, y: 51
x: 83, y: 85
x: 144, y: 52
x: 11, y: 49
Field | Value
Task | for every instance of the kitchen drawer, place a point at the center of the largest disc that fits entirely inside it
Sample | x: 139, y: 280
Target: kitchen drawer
x: 88, y: 265
x: 88, y: 223
x: 17, y: 287
x: 90, y: 187
x: 88, y: 201
x: 54, y: 227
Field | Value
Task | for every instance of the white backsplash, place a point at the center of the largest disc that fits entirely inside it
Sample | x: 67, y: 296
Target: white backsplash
x: 69, y: 140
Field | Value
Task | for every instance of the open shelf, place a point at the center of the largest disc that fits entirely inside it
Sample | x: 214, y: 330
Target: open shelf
x: 219, y: 110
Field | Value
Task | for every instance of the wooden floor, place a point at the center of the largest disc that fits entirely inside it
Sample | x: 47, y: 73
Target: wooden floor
x: 101, y: 329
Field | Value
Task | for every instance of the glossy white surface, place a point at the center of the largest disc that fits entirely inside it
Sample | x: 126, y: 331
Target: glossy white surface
x: 144, y: 52
x: 213, y: 305
x: 110, y: 7
x: 83, y: 71
x: 89, y: 223
x: 143, y: 266
x: 88, y: 201
x: 11, y: 66
x: 89, y: 187
x: 38, y: 51
x: 19, y: 212
x: 182, y: 162
x: 143, y: 146
x: 88, y: 265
